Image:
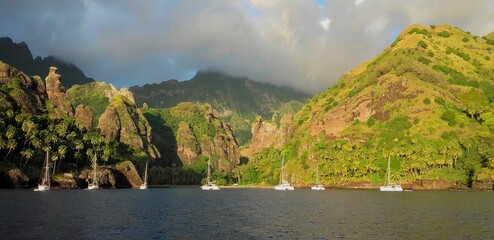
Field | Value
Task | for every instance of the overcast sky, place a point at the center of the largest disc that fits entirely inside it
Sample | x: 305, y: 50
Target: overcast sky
x: 305, y: 44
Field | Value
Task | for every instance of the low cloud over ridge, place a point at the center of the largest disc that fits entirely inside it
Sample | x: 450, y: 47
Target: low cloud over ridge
x: 307, y: 45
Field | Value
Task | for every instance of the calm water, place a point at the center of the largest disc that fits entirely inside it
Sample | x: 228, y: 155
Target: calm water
x: 189, y: 213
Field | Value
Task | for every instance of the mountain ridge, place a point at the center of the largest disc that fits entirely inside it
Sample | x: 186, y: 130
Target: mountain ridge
x: 237, y: 100
x: 19, y: 56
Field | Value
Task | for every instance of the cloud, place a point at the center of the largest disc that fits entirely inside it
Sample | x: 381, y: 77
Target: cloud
x: 285, y: 42
x: 358, y: 2
x: 325, y: 24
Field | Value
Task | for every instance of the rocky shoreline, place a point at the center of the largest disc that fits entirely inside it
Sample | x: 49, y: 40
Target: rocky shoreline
x: 122, y: 175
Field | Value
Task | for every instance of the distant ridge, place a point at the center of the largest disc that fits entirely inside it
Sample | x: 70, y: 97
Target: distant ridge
x: 238, y: 100
x: 19, y: 56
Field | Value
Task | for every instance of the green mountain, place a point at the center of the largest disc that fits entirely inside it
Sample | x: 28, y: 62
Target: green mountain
x: 36, y: 117
x: 19, y: 56
x: 426, y: 102
x: 237, y: 100
x: 180, y: 138
x: 186, y: 135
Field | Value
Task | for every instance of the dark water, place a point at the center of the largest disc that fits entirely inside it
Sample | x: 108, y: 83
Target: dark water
x: 189, y: 213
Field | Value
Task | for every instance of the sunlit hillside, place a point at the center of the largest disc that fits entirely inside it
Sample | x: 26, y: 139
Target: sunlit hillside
x: 426, y: 102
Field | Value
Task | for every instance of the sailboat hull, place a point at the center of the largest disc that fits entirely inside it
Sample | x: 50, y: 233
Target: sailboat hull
x: 284, y: 187
x: 92, y: 187
x: 318, y: 187
x: 210, y: 186
x: 42, y: 188
x: 391, y: 188
x: 143, y: 186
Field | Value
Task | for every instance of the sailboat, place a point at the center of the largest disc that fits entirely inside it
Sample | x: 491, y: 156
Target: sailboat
x: 93, y: 185
x: 318, y: 186
x: 145, y: 184
x: 390, y: 187
x: 284, y: 185
x: 44, y: 181
x: 209, y: 185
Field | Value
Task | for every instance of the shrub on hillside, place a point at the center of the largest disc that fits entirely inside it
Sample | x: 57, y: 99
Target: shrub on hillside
x: 419, y: 31
x: 424, y: 60
x: 444, y: 34
x: 422, y: 44
x: 427, y: 101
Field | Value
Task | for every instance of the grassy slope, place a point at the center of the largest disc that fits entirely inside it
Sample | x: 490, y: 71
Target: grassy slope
x: 423, y: 100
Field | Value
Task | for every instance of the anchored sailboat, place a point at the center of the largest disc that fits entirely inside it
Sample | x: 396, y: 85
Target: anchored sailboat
x: 44, y: 181
x: 145, y: 184
x: 318, y: 185
x: 93, y: 184
x: 390, y: 187
x: 284, y: 185
x: 209, y: 185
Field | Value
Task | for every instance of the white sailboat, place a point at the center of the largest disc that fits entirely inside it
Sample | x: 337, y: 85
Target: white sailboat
x: 318, y: 186
x: 390, y: 187
x: 144, y: 185
x: 44, y: 181
x: 284, y: 185
x: 93, y: 185
x: 209, y: 185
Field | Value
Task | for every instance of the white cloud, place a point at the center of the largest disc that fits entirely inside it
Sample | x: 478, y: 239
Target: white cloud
x: 358, y: 2
x: 277, y: 41
x: 325, y: 24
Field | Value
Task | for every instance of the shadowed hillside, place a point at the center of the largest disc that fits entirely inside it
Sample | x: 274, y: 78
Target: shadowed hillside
x: 19, y: 56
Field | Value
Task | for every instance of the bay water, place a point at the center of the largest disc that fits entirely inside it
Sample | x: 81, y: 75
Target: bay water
x: 189, y: 213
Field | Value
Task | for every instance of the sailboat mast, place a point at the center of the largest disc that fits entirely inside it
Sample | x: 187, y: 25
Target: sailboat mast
x: 317, y: 173
x: 209, y: 168
x: 389, y: 169
x: 94, y: 170
x: 46, y: 178
x: 146, y: 173
x: 282, y: 166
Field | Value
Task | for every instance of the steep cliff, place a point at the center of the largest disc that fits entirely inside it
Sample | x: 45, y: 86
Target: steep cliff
x: 188, y: 131
x: 56, y: 92
x: 115, y: 114
x: 36, y: 118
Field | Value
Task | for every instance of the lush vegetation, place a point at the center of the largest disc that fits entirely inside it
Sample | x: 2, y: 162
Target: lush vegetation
x: 92, y: 95
x: 192, y: 126
x: 238, y: 101
x: 31, y: 125
x: 26, y: 137
x: 430, y: 96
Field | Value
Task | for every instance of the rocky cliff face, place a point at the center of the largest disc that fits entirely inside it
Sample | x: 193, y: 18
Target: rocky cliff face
x: 122, y: 175
x: 263, y: 135
x: 13, y: 178
x: 26, y: 93
x: 266, y: 133
x: 188, y: 146
x: 124, y: 122
x: 188, y: 131
x: 56, y: 92
x: 223, y: 144
x: 84, y: 114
